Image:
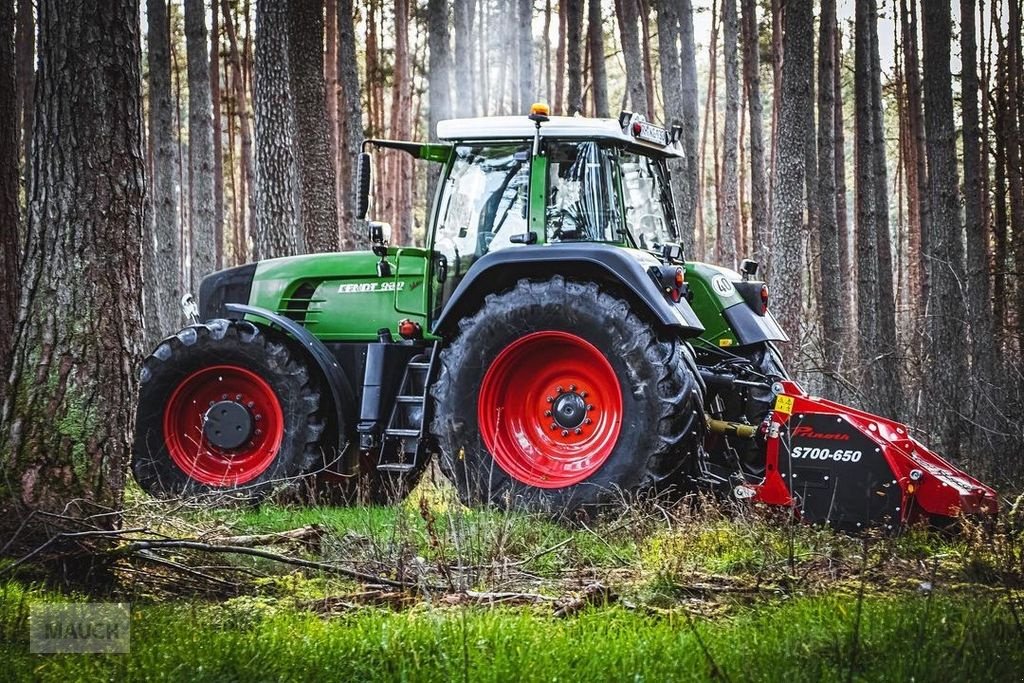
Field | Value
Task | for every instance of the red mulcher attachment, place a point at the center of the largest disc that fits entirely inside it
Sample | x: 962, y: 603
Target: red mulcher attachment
x: 852, y: 469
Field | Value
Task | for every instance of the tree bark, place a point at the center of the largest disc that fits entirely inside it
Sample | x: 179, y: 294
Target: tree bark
x: 1013, y: 128
x: 887, y: 387
x: 527, y: 89
x: 162, y: 255
x: 10, y: 210
x: 574, y: 56
x: 917, y: 170
x: 786, y: 276
x: 946, y: 367
x: 758, y: 183
x: 598, y: 73
x: 276, y: 229
x: 218, y: 141
x: 439, y: 77
x: 248, y: 169
x: 463, y: 23
x: 25, y: 56
x: 846, y: 263
x: 691, y: 132
x: 401, y: 128
x: 202, y: 198
x: 832, y: 299
x: 979, y: 293
x: 563, y: 28
x: 728, y: 184
x: 317, y: 189
x: 628, y: 16
x: 67, y: 415
x: 351, y: 114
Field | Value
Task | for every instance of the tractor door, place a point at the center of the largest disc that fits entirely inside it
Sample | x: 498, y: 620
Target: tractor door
x: 482, y: 203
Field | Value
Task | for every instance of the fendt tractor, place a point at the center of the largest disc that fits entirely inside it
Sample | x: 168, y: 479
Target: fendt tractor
x: 548, y: 344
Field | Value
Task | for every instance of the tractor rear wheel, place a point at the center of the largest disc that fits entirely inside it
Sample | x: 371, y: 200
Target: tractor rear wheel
x: 224, y: 409
x: 556, y: 395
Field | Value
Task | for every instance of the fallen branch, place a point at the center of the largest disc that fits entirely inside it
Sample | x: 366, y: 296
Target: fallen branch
x: 594, y: 594
x: 306, y: 535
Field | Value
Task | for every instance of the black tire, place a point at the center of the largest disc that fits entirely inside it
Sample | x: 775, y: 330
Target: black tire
x: 662, y: 403
x: 237, y: 343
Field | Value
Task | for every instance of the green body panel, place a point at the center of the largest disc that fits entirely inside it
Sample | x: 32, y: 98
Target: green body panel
x: 339, y: 296
x: 709, y: 302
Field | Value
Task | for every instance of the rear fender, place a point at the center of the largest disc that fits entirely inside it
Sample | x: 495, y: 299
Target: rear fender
x: 500, y: 270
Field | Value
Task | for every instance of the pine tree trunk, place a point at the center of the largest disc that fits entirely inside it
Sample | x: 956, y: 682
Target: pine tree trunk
x: 846, y: 263
x: 595, y: 41
x: 162, y: 256
x: 728, y: 186
x: 888, y: 387
x: 946, y: 370
x: 25, y: 56
x: 401, y: 129
x: 10, y: 212
x: 645, y: 37
x: 248, y: 169
x: 351, y: 115
x: 563, y: 28
x: 758, y: 183
x: 317, y: 188
x: 917, y: 170
x: 463, y: 24
x: 832, y: 297
x: 439, y: 77
x: 637, y: 92
x: 786, y: 275
x: 527, y: 89
x: 982, y: 338
x: 218, y: 136
x: 574, y: 56
x: 276, y: 226
x: 202, y: 202
x: 331, y: 93
x: 671, y: 86
x: 67, y: 414
x: 690, y: 202
x: 1013, y: 128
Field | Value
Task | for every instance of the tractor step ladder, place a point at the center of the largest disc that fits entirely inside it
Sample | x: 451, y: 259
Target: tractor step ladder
x: 404, y: 443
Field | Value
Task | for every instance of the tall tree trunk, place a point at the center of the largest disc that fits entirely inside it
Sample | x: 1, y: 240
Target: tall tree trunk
x: 758, y: 183
x: 595, y: 39
x: 917, y: 170
x: 317, y: 187
x: 574, y: 56
x: 887, y: 388
x: 218, y: 136
x: 560, y: 53
x: 947, y: 316
x: 439, y: 76
x: 79, y: 335
x: 846, y: 262
x: 1013, y: 128
x: 628, y: 17
x: 645, y: 36
x: 1000, y: 213
x: 333, y: 97
x: 728, y: 185
x: 867, y: 221
x: 10, y: 213
x: 786, y: 276
x: 401, y: 128
x: 351, y: 115
x: 248, y: 169
x: 163, y: 247
x: 25, y: 55
x: 983, y: 349
x: 690, y: 203
x: 463, y: 23
x: 527, y: 89
x: 202, y: 201
x: 671, y: 86
x: 832, y: 297
x: 276, y: 226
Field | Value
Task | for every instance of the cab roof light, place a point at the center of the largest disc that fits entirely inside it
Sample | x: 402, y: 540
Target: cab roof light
x: 540, y: 111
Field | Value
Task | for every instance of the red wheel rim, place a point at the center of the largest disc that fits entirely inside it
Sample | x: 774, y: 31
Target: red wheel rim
x: 524, y: 409
x: 184, y: 419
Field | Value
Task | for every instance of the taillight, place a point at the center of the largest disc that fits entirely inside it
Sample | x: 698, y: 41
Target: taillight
x: 680, y: 277
x: 764, y: 299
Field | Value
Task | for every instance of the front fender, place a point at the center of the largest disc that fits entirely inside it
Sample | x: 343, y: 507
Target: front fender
x: 596, y: 262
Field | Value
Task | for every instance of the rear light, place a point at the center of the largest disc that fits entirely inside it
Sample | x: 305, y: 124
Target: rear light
x: 680, y: 277
x: 764, y: 299
x: 407, y: 329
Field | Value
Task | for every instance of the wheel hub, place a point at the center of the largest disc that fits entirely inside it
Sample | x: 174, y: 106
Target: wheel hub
x: 569, y: 410
x: 227, y: 424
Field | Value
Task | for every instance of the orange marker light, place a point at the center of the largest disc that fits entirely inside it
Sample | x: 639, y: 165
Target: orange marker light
x: 541, y: 109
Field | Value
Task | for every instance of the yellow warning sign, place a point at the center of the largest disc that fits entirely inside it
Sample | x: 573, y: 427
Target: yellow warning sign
x: 725, y: 342
x: 784, y: 404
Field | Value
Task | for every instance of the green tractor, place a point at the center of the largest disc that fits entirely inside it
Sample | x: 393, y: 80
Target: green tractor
x: 548, y: 344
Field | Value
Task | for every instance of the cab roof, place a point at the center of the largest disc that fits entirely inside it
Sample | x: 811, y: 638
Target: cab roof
x: 564, y: 127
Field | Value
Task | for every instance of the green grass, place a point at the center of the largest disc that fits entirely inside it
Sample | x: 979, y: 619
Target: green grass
x: 806, y: 639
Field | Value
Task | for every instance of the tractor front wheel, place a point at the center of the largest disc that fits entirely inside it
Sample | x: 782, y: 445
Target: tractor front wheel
x: 556, y: 395
x: 224, y: 409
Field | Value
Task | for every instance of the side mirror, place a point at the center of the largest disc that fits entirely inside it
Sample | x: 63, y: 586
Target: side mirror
x: 671, y: 253
x: 749, y: 268
x: 363, y: 185
x: 379, y: 233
